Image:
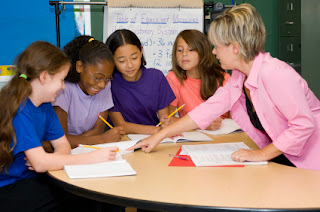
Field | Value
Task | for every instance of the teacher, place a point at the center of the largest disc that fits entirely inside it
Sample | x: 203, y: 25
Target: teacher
x: 267, y: 98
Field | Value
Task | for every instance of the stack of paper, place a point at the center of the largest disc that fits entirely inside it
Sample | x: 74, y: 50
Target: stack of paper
x: 227, y: 126
x: 216, y: 154
x: 118, y: 167
x: 107, y: 169
x: 186, y: 137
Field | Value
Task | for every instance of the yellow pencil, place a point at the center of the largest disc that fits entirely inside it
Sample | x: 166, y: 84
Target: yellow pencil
x: 171, y: 114
x: 105, y: 121
x: 93, y: 147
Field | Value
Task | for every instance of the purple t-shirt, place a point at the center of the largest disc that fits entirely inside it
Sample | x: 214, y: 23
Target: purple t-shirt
x: 140, y: 101
x: 82, y: 109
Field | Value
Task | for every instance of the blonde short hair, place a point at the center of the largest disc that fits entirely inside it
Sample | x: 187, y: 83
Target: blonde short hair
x: 242, y: 24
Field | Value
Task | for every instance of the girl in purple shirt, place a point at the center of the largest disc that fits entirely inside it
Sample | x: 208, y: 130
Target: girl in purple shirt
x: 87, y: 93
x: 141, y: 96
x: 267, y: 98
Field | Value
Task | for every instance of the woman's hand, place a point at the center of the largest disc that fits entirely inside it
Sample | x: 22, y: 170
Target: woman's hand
x: 242, y: 155
x: 216, y: 124
x: 147, y: 144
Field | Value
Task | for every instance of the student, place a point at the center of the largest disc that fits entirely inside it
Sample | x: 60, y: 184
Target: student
x: 141, y: 95
x: 26, y: 119
x: 267, y: 98
x: 87, y: 93
x: 195, y: 75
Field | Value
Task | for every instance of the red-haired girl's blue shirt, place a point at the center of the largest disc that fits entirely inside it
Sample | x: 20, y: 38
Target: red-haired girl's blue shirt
x: 140, y: 101
x: 32, y: 125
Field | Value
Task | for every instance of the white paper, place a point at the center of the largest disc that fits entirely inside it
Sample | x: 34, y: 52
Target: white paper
x: 122, y: 145
x: 157, y: 29
x: 227, y: 126
x: 187, y: 136
x: 107, y: 169
x: 216, y: 154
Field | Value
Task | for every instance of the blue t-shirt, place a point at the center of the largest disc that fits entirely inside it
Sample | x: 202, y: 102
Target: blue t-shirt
x: 140, y: 101
x: 32, y: 125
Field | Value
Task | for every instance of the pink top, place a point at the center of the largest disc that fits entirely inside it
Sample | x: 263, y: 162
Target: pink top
x: 188, y: 93
x: 288, y: 110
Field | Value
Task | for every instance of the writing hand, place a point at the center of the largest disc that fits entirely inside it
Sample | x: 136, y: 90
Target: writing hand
x: 166, y: 121
x: 216, y: 124
x: 115, y: 134
x: 106, y: 154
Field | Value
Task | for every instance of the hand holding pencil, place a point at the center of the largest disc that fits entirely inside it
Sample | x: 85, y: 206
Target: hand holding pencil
x: 171, y: 114
x: 114, y: 134
x: 94, y: 147
x: 105, y: 121
x: 101, y: 154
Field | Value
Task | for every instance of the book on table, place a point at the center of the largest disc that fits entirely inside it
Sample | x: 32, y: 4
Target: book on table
x: 106, y: 169
x: 185, y: 137
x: 216, y: 154
x: 118, y: 167
x: 228, y: 126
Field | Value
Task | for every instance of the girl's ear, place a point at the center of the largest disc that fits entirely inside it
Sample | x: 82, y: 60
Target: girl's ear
x: 43, y: 77
x: 79, y: 66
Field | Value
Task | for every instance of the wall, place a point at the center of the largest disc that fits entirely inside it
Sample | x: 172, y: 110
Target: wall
x: 310, y: 43
x: 23, y: 22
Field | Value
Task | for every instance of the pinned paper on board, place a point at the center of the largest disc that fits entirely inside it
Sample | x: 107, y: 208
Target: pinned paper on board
x: 7, y: 72
x: 156, y: 23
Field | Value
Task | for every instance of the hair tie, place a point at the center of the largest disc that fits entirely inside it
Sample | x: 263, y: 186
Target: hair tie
x: 91, y: 39
x: 23, y: 76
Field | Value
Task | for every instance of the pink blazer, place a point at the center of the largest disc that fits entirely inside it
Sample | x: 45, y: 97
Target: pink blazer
x: 288, y: 110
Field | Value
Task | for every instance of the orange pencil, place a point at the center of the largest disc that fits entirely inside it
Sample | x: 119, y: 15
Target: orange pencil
x: 105, y: 121
x: 94, y: 147
x: 171, y: 114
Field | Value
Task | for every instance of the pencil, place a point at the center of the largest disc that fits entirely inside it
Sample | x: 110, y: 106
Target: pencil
x: 171, y: 114
x: 93, y: 147
x: 180, y: 157
x: 105, y: 121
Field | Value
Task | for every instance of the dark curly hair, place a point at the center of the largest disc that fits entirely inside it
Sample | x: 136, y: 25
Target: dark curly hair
x: 122, y: 37
x: 92, y: 52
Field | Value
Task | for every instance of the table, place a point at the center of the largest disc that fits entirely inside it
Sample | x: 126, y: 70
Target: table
x: 157, y: 186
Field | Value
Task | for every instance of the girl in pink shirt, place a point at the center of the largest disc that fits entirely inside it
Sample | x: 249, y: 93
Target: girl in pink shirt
x: 267, y: 98
x: 196, y: 74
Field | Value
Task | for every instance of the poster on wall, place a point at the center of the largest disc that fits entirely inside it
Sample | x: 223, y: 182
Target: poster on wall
x: 7, y: 72
x: 157, y: 29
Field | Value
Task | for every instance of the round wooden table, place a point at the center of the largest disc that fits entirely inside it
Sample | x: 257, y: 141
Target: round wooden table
x: 160, y: 187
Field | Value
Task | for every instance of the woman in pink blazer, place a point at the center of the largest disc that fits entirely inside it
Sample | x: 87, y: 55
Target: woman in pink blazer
x: 267, y: 98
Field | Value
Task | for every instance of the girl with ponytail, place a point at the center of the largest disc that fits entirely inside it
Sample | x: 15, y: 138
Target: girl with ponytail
x: 27, y: 119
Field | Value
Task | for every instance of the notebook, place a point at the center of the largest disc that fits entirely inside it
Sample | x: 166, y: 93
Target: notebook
x: 227, y: 126
x: 106, y: 169
x: 186, y: 137
x: 216, y: 154
x: 189, y: 163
